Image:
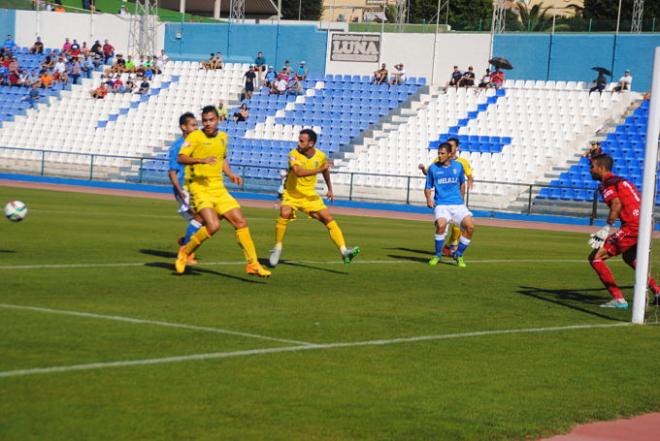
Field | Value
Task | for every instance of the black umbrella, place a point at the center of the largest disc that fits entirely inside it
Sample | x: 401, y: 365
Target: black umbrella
x: 500, y: 62
x: 602, y: 70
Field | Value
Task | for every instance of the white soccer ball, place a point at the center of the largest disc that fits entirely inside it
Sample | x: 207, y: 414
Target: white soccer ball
x: 16, y: 211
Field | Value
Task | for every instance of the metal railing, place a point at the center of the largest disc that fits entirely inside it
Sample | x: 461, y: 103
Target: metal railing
x: 403, y: 189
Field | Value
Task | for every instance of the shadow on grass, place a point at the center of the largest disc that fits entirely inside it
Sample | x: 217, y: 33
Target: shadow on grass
x: 318, y: 268
x: 412, y: 250
x: 196, y: 271
x: 569, y: 298
x: 8, y: 251
x: 159, y: 253
x: 424, y: 260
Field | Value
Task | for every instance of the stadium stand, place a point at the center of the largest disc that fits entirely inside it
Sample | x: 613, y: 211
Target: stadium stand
x: 513, y: 135
x: 626, y: 146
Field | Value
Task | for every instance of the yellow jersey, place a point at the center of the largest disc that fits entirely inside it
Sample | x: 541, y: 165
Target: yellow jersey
x: 464, y: 162
x: 305, y: 186
x: 198, y: 145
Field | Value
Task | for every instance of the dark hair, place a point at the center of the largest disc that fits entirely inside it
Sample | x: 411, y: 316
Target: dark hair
x: 311, y: 134
x: 185, y: 117
x: 456, y: 141
x: 604, y: 160
x: 209, y: 109
x: 445, y: 146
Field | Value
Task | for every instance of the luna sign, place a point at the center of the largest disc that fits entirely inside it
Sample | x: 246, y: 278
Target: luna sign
x: 355, y: 47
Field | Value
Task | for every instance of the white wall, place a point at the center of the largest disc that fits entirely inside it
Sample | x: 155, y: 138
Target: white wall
x: 415, y: 51
x: 54, y: 27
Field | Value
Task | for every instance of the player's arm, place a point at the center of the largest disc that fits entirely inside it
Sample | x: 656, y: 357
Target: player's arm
x: 463, y: 190
x: 226, y: 169
x: 301, y: 172
x: 615, y: 211
x: 423, y: 169
x: 175, y: 183
x: 187, y: 160
x: 428, y: 190
x: 328, y: 183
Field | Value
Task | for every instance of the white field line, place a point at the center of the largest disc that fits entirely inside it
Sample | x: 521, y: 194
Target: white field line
x: 307, y: 262
x: 118, y: 318
x: 263, y: 351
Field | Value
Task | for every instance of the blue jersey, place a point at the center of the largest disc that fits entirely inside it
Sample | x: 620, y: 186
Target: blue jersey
x: 174, y: 165
x: 446, y: 181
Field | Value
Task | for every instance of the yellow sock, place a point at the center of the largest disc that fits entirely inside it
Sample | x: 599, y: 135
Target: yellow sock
x: 455, y: 234
x: 197, y: 239
x: 245, y: 241
x: 280, y: 231
x: 337, y: 236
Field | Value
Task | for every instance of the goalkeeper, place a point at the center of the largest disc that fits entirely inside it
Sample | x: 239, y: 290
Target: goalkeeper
x: 623, y: 200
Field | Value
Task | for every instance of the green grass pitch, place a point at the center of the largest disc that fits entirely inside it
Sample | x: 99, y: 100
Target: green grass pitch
x: 110, y: 258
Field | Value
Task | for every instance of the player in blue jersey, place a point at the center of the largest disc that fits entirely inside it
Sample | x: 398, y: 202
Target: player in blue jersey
x: 188, y: 124
x: 445, y: 191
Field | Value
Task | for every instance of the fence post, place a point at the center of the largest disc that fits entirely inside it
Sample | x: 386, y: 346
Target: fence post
x: 91, y: 169
x: 350, y: 188
x: 529, y: 200
x: 43, y: 161
x: 408, y: 191
x: 590, y: 24
x: 140, y: 171
x: 594, y: 208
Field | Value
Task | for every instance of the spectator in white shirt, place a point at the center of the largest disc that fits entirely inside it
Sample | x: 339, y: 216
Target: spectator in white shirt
x: 625, y: 82
x: 399, y: 75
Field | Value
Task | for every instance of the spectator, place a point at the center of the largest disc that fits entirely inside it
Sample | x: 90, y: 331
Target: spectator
x: 497, y: 78
x: 75, y: 48
x: 13, y: 79
x: 286, y: 69
x: 301, y: 73
x: 250, y: 77
x: 485, y: 80
x: 48, y: 63
x: 625, y: 82
x: 594, y: 150
x: 66, y: 47
x: 467, y: 80
x: 129, y: 65
x: 130, y: 85
x: 217, y: 64
x: 87, y: 66
x: 270, y: 77
x: 4, y: 72
x: 601, y: 82
x: 222, y: 111
x: 208, y: 64
x: 163, y: 57
x: 242, y: 114
x: 144, y: 87
x: 120, y: 64
x: 380, y: 76
x: 279, y: 86
x: 100, y: 92
x: 399, y: 75
x: 97, y: 48
x: 118, y: 85
x: 456, y: 76
x: 84, y: 50
x: 46, y: 79
x: 37, y: 47
x: 260, y: 63
x: 108, y: 52
x: 33, y: 96
x: 294, y: 87
x: 76, y: 70
x: 9, y: 43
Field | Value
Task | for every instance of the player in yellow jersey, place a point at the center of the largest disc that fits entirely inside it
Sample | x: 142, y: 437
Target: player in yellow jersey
x: 452, y: 242
x: 305, y: 163
x: 204, y: 153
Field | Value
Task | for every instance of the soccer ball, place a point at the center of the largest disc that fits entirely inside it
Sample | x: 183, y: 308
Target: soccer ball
x: 16, y: 211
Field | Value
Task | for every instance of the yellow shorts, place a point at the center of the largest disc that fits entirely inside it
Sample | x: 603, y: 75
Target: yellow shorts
x: 219, y: 200
x: 306, y: 204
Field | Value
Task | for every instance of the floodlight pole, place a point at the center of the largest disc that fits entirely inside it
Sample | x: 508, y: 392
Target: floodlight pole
x: 648, y: 196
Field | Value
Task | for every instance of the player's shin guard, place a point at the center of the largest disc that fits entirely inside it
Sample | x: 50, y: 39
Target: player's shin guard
x: 280, y: 231
x: 245, y: 241
x: 193, y: 227
x: 606, y: 276
x: 196, y: 240
x: 439, y: 242
x: 463, y: 243
x: 337, y: 236
x: 455, y: 234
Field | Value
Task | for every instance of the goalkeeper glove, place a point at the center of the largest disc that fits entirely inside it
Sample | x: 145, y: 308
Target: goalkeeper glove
x: 598, y: 238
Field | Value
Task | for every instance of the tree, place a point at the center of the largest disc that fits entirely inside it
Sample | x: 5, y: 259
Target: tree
x: 608, y: 9
x: 535, y: 18
x: 310, y: 9
x: 461, y: 12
